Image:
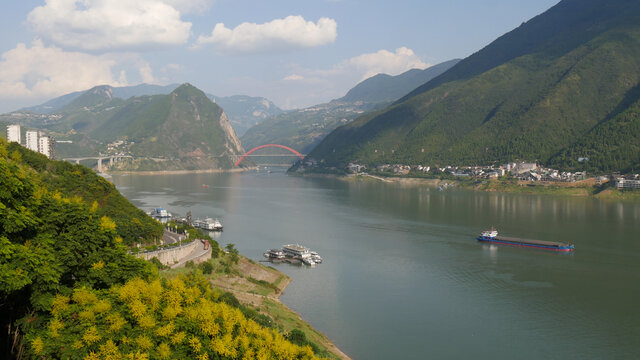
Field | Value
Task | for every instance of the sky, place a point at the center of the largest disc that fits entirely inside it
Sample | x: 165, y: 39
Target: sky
x: 296, y: 53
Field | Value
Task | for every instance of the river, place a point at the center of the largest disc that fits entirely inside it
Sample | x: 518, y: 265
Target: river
x: 404, y: 278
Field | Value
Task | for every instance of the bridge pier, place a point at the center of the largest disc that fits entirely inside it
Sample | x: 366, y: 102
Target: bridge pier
x: 77, y: 161
x: 99, y: 165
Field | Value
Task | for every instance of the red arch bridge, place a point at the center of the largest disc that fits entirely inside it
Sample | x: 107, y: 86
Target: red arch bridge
x: 249, y: 153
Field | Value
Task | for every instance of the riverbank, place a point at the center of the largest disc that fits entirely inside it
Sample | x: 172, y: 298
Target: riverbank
x: 585, y: 188
x: 180, y: 172
x: 259, y: 287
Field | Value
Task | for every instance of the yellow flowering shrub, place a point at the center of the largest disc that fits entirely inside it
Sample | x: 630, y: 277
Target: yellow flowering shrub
x: 178, y: 318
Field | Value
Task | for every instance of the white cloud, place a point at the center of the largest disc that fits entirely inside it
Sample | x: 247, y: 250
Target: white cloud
x: 365, y: 66
x: 39, y: 71
x: 111, y: 24
x: 293, y: 77
x: 191, y: 6
x: 386, y: 62
x: 292, y: 32
x: 304, y: 87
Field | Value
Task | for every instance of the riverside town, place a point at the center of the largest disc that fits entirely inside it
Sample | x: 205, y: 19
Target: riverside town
x: 522, y: 171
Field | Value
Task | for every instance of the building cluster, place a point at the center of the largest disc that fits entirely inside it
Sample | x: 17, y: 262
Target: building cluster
x: 119, y: 147
x: 34, y: 140
x: 522, y: 171
x: 628, y: 182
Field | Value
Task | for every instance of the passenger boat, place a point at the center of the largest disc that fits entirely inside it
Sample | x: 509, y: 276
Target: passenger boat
x: 491, y: 236
x: 208, y: 224
x: 160, y: 213
x: 307, y: 260
x: 294, y: 253
x: 274, y: 254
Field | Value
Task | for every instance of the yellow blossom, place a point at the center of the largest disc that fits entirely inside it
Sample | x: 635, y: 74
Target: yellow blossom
x: 37, y: 345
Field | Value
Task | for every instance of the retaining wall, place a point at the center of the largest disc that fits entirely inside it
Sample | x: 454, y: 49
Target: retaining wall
x: 173, y: 255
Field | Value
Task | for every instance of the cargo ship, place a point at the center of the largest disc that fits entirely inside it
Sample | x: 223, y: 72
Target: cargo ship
x: 491, y: 236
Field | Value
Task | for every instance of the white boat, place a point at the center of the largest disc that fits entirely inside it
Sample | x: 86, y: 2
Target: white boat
x: 315, y: 257
x: 274, y: 254
x: 295, y: 251
x: 208, y: 224
x: 307, y: 260
x: 160, y: 213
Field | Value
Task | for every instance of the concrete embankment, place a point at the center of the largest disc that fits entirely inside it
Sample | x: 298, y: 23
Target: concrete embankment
x: 179, y: 255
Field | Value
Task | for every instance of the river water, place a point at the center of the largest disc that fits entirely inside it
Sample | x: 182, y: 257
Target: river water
x: 404, y: 278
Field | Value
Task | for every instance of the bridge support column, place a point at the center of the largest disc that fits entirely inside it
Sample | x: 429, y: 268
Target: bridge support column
x: 99, y: 165
x: 111, y: 161
x: 77, y: 162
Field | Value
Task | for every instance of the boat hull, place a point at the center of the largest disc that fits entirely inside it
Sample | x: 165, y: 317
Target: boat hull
x: 524, y: 243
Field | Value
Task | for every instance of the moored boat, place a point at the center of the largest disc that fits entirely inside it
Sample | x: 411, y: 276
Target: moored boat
x: 294, y: 253
x: 160, y: 213
x: 208, y: 224
x: 274, y: 254
x: 491, y: 236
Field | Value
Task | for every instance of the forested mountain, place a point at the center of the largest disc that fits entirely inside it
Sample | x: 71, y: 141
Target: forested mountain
x: 547, y: 91
x: 69, y: 289
x: 243, y: 111
x: 303, y: 129
x: 181, y: 130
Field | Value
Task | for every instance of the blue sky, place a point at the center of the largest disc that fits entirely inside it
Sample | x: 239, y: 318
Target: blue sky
x: 295, y: 52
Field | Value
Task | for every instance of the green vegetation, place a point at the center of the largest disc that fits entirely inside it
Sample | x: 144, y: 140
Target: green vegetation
x: 548, y: 91
x: 99, y: 195
x: 69, y: 289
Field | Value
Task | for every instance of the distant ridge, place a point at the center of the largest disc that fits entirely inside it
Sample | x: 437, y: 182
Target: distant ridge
x: 387, y: 88
x: 123, y: 92
x: 304, y: 128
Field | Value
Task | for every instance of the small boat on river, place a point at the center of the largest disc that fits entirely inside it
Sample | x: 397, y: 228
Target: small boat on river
x: 160, y: 213
x: 491, y: 236
x: 294, y: 253
x: 208, y: 224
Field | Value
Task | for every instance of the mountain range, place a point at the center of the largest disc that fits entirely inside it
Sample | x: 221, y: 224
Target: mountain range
x: 562, y: 86
x: 243, y: 111
x: 180, y: 130
x: 303, y: 129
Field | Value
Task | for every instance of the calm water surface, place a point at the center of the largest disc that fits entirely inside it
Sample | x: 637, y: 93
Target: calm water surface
x: 403, y: 277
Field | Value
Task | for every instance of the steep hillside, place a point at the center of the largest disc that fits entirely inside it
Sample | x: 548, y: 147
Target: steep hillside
x: 304, y: 129
x: 132, y: 224
x: 246, y: 111
x: 529, y: 95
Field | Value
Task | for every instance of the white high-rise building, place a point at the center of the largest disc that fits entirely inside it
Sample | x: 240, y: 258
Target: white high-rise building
x: 45, y: 146
x: 32, y: 140
x: 13, y: 133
